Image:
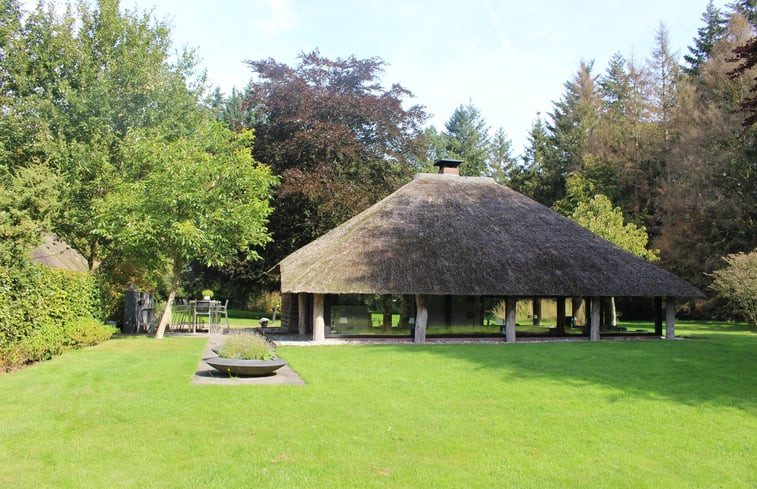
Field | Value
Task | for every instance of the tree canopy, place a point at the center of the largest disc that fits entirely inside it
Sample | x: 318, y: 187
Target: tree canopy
x: 338, y: 139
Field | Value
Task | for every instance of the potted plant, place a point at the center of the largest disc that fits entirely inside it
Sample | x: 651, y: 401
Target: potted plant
x: 207, y: 294
x: 246, y: 353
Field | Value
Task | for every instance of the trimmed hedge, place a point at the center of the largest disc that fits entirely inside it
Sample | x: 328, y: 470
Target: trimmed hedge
x: 44, y: 311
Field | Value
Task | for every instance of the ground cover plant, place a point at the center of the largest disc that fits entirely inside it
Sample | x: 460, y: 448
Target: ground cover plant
x: 611, y: 414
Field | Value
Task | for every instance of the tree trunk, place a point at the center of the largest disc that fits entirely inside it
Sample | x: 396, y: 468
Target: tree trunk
x: 94, y: 256
x: 165, y: 318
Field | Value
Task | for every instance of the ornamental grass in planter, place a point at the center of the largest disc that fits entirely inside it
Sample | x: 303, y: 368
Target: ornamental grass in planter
x: 247, y: 345
x: 246, y: 353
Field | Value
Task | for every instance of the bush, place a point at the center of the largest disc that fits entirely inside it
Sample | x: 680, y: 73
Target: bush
x: 247, y: 345
x: 44, y: 311
x: 737, y: 283
x: 263, y: 301
x: 86, y: 332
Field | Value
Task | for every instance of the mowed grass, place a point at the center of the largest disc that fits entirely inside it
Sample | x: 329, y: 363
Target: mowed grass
x: 627, y: 414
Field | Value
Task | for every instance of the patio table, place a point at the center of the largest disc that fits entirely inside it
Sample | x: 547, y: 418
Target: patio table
x: 204, y: 307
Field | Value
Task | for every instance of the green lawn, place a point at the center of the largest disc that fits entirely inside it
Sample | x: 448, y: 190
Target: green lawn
x: 629, y: 414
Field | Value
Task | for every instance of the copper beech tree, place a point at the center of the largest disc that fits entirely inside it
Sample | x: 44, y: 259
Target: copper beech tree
x: 337, y: 137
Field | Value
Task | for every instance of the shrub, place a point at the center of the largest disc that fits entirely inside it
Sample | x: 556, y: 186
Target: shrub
x: 247, y: 345
x: 263, y: 301
x: 737, y: 283
x: 86, y: 332
x: 40, y: 313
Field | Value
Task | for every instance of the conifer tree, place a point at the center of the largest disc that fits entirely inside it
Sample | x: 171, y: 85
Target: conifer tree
x: 713, y: 29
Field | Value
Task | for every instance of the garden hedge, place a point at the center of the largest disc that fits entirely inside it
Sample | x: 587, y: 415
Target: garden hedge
x: 44, y: 311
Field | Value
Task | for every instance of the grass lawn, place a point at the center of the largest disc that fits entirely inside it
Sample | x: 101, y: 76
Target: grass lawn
x: 627, y: 414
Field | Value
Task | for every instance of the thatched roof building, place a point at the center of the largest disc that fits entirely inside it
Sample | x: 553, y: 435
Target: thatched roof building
x: 450, y: 235
x: 56, y: 253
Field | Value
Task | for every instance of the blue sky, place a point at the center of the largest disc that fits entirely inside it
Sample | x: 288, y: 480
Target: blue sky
x: 510, y: 58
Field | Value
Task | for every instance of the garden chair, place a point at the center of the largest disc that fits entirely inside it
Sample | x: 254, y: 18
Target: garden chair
x: 180, y: 310
x: 223, y: 310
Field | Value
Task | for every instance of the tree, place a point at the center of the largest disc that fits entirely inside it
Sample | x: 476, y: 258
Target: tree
x: 529, y: 178
x: 737, y: 283
x: 746, y: 56
x: 466, y: 137
x: 598, y: 216
x: 706, y: 194
x: 601, y: 218
x: 74, y: 84
x: 714, y: 28
x: 339, y: 140
x: 665, y: 74
x: 208, y: 201
x: 501, y: 162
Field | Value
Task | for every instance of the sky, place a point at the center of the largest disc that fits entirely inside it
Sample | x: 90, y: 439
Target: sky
x: 509, y: 58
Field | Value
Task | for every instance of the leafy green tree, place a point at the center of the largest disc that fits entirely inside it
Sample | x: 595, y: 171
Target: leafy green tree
x: 737, y: 283
x: 198, y: 197
x: 600, y: 217
x: 74, y: 84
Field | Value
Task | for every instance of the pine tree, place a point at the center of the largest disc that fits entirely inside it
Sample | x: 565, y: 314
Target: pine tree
x: 467, y: 138
x: 714, y: 28
x: 665, y: 73
x: 745, y: 8
x: 501, y: 161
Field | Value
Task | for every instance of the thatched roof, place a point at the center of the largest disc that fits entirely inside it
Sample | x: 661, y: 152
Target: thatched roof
x: 444, y: 234
x: 56, y: 253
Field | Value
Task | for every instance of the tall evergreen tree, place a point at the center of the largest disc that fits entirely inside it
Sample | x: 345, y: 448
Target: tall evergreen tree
x: 745, y: 8
x: 713, y: 29
x: 501, y: 161
x: 707, y: 198
x: 466, y: 137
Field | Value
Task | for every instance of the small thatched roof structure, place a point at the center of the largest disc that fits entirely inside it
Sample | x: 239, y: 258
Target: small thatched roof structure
x: 451, y: 235
x: 56, y: 253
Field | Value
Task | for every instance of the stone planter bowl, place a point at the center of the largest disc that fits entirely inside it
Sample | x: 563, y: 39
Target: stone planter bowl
x: 245, y: 368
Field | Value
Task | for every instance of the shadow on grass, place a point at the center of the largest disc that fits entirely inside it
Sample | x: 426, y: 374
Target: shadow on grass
x: 715, y: 369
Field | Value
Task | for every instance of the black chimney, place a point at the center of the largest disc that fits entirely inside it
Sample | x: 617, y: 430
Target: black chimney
x: 448, y: 167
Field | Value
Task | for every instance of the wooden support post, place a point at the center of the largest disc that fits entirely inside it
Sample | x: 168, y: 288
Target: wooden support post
x: 587, y: 314
x: 302, y: 313
x: 421, y: 318
x: 670, y: 318
x: 658, y: 316
x: 319, y: 324
x: 510, y: 303
x: 560, y: 326
x: 613, y: 312
x: 387, y: 310
x: 594, y: 326
x: 536, y: 311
